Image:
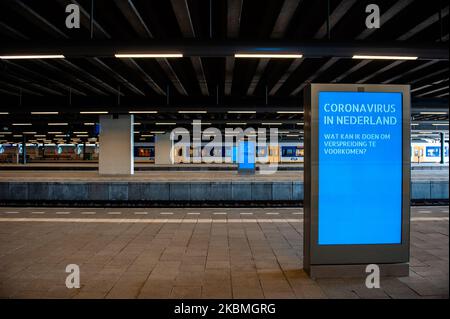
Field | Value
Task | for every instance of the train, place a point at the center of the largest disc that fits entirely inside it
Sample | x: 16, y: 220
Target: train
x: 422, y: 151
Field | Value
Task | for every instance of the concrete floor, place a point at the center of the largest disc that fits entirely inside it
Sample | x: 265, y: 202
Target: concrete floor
x: 193, y: 253
x: 44, y: 176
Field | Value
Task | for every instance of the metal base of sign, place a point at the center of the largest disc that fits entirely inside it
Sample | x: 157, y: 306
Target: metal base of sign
x: 356, y: 271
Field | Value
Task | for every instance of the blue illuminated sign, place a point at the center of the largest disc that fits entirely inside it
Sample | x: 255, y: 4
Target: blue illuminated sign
x: 246, y: 155
x: 360, y: 168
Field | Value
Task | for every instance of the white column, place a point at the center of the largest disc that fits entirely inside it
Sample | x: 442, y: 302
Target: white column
x: 163, y: 149
x: 116, y: 141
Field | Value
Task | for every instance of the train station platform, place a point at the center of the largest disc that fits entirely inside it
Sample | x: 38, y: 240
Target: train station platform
x: 188, y: 253
x: 141, y: 166
x: 148, y: 187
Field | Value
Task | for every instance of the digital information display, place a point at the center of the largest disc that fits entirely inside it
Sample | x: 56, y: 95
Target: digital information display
x: 360, y: 168
x: 246, y: 155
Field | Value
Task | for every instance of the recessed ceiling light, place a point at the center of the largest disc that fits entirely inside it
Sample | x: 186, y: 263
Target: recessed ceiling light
x: 94, y: 112
x: 241, y: 112
x: 142, y: 112
x: 192, y: 112
x: 384, y: 57
x: 148, y: 55
x: 269, y: 55
x: 42, y: 56
x: 44, y: 113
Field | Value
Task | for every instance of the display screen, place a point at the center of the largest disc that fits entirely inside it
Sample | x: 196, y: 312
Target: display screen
x: 246, y: 155
x: 360, y: 168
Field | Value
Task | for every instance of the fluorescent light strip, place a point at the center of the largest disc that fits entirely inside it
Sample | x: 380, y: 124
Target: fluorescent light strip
x: 165, y: 123
x: 439, y: 124
x: 384, y: 57
x: 88, y: 123
x: 192, y: 112
x: 268, y: 55
x: 4, y: 113
x: 21, y: 124
x: 94, y: 112
x: 54, y: 132
x: 58, y: 124
x: 28, y: 132
x: 241, y: 112
x: 433, y: 113
x: 80, y: 132
x: 272, y: 123
x: 290, y: 112
x: 44, y: 113
x: 44, y: 56
x: 236, y: 123
x: 157, y: 132
x: 142, y: 112
x: 148, y: 55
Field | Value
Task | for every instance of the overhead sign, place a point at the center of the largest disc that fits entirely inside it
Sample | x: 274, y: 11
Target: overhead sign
x: 357, y: 176
x: 360, y: 168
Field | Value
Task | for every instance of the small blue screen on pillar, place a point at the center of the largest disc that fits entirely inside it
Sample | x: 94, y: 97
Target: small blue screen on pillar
x: 246, y: 155
x: 360, y: 168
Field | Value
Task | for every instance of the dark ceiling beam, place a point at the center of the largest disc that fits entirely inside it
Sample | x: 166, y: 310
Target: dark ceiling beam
x: 36, y: 19
x: 380, y: 71
x: 337, y: 14
x: 412, y: 32
x: 183, y: 103
x: 234, y: 11
x: 284, y: 18
x: 423, y: 25
x: 395, y: 9
x: 14, y: 88
x: 82, y: 74
x: 119, y: 78
x: 85, y: 16
x: 418, y: 68
x: 385, y: 17
x: 27, y: 83
x: 42, y: 23
x: 183, y: 16
x: 422, y: 79
x: 138, y: 24
x: 316, y: 74
x: 147, y: 78
x: 222, y: 48
x: 435, y: 90
x: 343, y: 7
x: 38, y: 77
x: 60, y: 76
x: 15, y: 93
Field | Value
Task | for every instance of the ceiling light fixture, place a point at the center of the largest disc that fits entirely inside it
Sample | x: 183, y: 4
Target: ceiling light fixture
x: 142, y: 112
x: 384, y: 57
x: 44, y: 56
x: 44, y: 113
x: 269, y: 55
x: 148, y: 55
x: 94, y: 112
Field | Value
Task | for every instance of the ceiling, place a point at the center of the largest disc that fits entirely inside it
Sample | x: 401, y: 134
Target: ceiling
x: 212, y: 80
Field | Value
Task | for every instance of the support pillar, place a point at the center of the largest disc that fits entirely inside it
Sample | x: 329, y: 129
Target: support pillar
x: 116, y: 141
x: 442, y: 135
x: 163, y: 149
